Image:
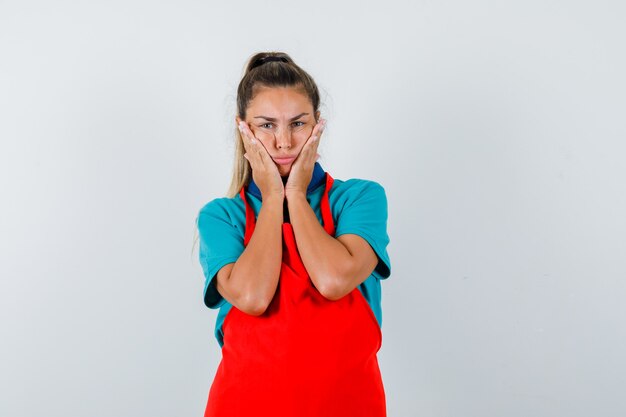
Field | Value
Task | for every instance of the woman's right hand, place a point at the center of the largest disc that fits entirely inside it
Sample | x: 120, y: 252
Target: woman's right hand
x: 264, y: 170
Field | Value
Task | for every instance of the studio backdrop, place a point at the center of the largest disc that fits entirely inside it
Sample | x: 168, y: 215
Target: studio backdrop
x: 496, y: 128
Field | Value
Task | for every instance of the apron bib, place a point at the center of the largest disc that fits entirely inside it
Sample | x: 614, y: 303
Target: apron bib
x: 305, y: 355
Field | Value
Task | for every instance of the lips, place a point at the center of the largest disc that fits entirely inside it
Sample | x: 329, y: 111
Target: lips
x: 285, y: 160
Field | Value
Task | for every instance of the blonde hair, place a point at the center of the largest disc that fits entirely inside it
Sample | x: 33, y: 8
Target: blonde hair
x: 241, y: 168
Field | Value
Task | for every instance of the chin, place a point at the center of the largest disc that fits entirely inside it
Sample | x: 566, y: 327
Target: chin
x: 284, y: 171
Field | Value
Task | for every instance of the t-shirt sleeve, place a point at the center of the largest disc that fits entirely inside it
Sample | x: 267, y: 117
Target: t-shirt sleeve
x: 221, y: 243
x: 365, y: 214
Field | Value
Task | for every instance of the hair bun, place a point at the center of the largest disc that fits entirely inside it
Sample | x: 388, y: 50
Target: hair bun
x: 269, y: 58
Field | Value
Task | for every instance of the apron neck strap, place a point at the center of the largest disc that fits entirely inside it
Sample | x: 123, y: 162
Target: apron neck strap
x: 327, y: 215
x: 250, y: 219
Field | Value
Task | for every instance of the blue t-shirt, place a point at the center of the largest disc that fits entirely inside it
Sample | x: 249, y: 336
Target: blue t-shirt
x: 358, y: 207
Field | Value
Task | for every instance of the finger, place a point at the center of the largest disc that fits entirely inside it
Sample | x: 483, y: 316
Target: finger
x: 323, y: 123
x: 317, y: 133
x: 313, y: 142
x: 254, y: 146
x: 245, y: 141
x: 318, y: 129
x: 246, y: 133
x: 251, y: 144
x: 308, y: 152
x: 254, y: 141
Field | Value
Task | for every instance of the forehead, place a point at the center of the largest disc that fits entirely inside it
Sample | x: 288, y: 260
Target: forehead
x: 279, y: 101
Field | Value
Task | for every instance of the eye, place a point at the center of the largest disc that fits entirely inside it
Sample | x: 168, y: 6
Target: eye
x: 266, y: 125
x: 298, y: 125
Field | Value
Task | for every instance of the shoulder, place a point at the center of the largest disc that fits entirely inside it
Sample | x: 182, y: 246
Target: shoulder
x: 228, y: 209
x: 355, y: 189
x: 222, y: 204
x: 356, y: 183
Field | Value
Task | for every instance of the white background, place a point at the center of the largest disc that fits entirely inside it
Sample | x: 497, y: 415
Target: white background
x: 497, y: 129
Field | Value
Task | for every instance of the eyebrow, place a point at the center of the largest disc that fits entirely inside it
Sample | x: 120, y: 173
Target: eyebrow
x: 271, y: 119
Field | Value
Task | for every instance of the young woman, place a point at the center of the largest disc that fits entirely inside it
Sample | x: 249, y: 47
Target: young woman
x: 293, y: 260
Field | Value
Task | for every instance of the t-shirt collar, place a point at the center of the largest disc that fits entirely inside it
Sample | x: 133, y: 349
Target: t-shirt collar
x: 317, y: 179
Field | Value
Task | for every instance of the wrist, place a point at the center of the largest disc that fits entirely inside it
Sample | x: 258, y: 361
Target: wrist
x: 273, y: 194
x: 273, y: 199
x: 296, y: 196
x: 272, y: 207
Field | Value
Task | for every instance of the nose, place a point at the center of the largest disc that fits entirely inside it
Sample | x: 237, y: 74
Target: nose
x: 283, y: 139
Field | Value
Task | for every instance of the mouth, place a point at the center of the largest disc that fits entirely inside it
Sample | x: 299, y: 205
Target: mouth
x: 284, y: 160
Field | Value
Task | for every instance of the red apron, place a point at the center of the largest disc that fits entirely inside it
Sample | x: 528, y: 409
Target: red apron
x: 305, y: 355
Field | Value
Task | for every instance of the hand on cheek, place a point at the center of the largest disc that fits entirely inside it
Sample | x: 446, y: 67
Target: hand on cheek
x: 302, y: 168
x: 264, y: 171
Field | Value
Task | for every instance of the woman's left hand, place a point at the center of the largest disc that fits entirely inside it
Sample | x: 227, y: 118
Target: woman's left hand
x: 302, y: 168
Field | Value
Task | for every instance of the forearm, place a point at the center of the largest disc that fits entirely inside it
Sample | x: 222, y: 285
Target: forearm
x: 328, y: 262
x: 255, y: 274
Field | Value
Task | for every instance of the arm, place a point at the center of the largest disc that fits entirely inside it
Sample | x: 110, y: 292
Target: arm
x: 336, y: 265
x: 250, y: 283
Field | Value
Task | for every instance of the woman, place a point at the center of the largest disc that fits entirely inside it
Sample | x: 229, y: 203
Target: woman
x: 293, y: 260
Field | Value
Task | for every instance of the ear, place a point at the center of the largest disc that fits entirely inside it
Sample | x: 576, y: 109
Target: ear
x: 237, y: 120
x: 317, y: 116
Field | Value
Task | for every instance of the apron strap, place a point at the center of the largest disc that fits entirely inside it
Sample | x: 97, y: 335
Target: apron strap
x: 250, y: 219
x: 327, y: 217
